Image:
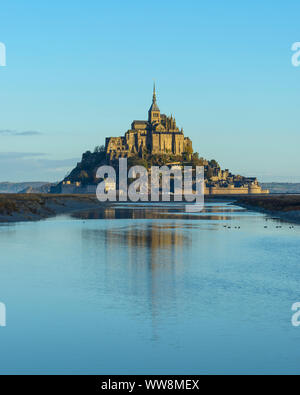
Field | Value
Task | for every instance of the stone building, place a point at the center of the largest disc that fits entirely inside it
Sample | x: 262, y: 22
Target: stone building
x: 158, y: 135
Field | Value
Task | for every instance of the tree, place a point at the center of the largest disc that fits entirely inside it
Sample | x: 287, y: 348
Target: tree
x: 196, y: 161
x: 209, y: 173
x: 84, y: 177
x: 99, y: 148
x: 137, y: 161
x: 213, y: 163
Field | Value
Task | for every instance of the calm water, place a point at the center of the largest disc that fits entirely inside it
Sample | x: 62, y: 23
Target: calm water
x: 150, y: 290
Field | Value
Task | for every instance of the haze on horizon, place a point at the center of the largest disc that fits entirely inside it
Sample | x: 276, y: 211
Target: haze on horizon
x: 76, y: 75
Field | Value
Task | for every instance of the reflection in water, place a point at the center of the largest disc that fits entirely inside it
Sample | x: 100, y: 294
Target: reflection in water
x: 129, y: 212
x: 152, y: 255
x: 147, y: 289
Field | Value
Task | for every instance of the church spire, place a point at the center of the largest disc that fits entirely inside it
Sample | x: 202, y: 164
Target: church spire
x: 154, y: 93
x: 154, y: 113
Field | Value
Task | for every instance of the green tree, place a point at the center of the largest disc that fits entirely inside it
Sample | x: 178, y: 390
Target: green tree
x: 99, y: 148
x: 196, y: 161
x: 137, y: 161
x: 213, y: 163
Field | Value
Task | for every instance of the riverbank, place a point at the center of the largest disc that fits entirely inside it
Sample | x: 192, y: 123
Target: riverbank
x: 286, y: 207
x: 34, y: 207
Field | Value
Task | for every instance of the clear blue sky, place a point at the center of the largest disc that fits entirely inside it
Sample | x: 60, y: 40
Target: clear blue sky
x: 78, y: 71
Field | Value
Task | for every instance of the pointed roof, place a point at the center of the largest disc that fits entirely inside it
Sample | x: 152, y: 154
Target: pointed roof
x: 154, y: 106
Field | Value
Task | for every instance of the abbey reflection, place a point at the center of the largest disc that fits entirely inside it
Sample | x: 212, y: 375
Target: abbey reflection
x: 167, y: 212
x: 139, y: 263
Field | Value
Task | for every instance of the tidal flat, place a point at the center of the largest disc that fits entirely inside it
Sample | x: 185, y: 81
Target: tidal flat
x: 33, y: 207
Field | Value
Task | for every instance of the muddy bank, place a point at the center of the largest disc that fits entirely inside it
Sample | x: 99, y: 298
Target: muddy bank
x: 33, y: 207
x: 286, y: 207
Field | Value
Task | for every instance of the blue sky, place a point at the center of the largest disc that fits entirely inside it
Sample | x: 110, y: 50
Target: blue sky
x: 83, y: 70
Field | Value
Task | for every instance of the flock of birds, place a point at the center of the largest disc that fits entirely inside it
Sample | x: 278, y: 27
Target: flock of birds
x: 238, y: 227
x: 229, y: 227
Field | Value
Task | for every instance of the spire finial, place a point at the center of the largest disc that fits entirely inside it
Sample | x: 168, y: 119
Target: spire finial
x: 154, y: 93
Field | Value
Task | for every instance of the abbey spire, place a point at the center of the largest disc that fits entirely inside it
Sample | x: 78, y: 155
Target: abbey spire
x: 154, y: 112
x: 154, y: 94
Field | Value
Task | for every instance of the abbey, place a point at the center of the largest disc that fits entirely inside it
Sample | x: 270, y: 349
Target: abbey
x: 156, y: 141
x: 158, y: 135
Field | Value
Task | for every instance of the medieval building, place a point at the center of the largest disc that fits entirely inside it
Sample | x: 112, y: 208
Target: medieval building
x: 158, y: 135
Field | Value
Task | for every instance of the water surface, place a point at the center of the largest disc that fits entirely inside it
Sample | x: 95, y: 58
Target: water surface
x: 149, y: 289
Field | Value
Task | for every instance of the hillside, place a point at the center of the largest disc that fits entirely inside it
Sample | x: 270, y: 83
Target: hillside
x: 85, y: 170
x: 17, y: 187
x: 45, y: 188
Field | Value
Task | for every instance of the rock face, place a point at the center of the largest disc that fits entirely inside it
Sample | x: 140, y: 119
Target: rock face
x: 158, y: 135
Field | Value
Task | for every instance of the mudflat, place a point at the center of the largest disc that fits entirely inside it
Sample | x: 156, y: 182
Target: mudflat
x: 30, y: 207
x: 286, y: 207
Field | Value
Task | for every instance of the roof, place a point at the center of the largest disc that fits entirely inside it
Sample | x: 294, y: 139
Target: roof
x: 154, y: 107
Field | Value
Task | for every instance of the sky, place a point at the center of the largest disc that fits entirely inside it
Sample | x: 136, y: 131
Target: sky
x: 79, y: 71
